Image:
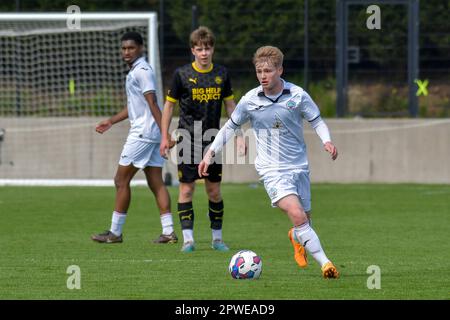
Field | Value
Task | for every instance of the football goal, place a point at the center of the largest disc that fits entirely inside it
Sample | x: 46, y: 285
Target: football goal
x: 56, y: 83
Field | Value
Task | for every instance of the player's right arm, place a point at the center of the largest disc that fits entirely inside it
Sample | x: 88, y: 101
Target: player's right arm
x: 166, y: 141
x: 172, y: 98
x: 108, y: 123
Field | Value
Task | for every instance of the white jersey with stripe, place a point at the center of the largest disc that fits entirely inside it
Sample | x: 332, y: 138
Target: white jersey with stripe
x: 141, y: 80
x: 278, y: 126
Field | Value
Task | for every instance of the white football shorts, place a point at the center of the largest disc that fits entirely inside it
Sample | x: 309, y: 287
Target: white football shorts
x: 280, y: 184
x: 141, y: 154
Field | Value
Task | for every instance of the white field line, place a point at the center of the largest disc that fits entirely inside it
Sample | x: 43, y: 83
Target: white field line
x: 66, y: 182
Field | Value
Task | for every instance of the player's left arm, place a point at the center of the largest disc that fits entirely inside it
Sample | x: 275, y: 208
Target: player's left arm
x: 224, y: 134
x: 311, y: 113
x: 331, y: 148
x: 237, y: 119
x: 323, y: 132
x: 230, y: 105
x: 146, y: 80
x: 150, y: 97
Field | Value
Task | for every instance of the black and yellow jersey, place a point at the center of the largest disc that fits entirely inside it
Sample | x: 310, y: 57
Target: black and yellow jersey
x: 200, y: 94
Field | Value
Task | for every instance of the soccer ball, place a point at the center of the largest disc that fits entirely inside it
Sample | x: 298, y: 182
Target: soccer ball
x: 245, y: 265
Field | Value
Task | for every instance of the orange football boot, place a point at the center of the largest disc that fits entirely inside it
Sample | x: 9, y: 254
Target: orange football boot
x: 299, y: 251
x: 329, y: 271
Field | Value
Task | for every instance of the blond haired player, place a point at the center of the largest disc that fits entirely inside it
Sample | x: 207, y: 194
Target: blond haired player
x: 276, y: 110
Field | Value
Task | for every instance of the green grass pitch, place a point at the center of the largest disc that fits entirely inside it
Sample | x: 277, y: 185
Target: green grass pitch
x: 403, y: 229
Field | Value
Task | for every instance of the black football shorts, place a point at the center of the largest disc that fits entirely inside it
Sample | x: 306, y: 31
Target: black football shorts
x: 188, y: 173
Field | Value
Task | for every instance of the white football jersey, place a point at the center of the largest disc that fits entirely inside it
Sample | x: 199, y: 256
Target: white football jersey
x: 278, y: 126
x: 141, y: 79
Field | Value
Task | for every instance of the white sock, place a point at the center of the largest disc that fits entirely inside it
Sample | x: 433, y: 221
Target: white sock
x: 216, y: 234
x: 167, y: 223
x: 309, y: 239
x: 188, y: 235
x: 118, y: 219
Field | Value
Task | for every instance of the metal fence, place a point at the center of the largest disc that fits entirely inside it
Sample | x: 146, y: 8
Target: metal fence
x: 306, y: 32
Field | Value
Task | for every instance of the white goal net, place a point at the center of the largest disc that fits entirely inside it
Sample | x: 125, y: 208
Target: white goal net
x: 56, y: 83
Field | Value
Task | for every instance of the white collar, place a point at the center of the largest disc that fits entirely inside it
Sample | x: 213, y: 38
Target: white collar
x: 285, y: 90
x: 137, y: 61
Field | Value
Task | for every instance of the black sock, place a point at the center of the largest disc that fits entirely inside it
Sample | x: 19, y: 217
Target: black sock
x: 216, y: 214
x: 186, y: 214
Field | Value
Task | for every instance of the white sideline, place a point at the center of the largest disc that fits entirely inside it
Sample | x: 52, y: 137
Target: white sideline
x: 65, y: 182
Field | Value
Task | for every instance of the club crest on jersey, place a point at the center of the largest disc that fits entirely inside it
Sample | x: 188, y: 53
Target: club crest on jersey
x: 218, y: 80
x: 291, y: 104
x: 277, y: 124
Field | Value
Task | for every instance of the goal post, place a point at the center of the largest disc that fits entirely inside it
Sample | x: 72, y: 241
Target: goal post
x: 11, y: 25
x: 56, y: 83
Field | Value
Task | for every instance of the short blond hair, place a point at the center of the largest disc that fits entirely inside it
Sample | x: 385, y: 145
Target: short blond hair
x: 202, y: 36
x: 269, y: 54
